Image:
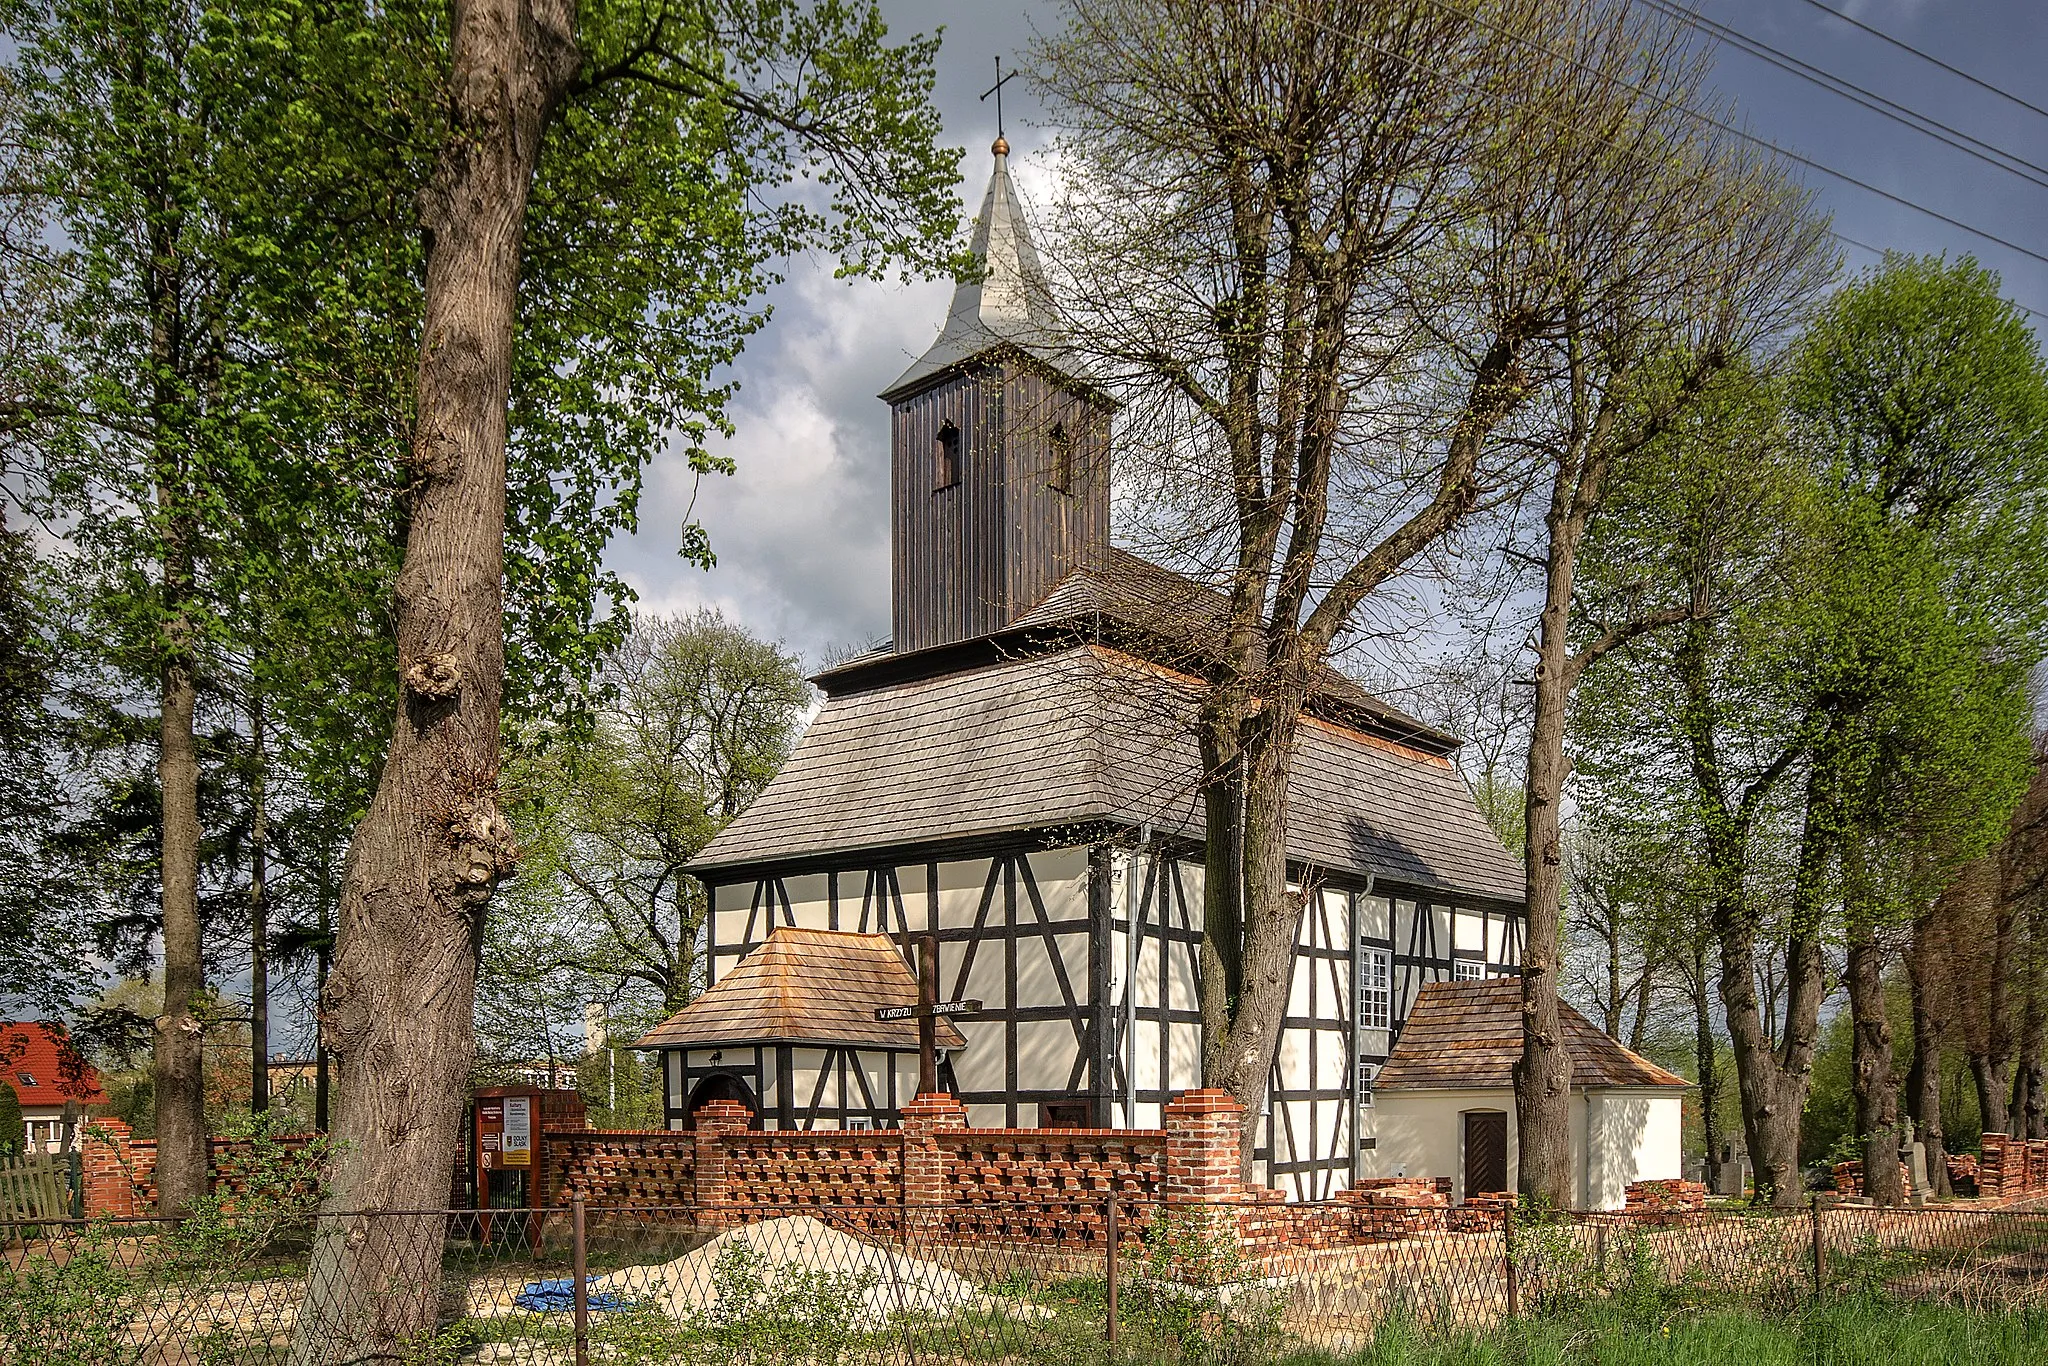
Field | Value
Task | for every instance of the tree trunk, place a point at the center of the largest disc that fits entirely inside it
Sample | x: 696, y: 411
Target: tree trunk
x: 177, y: 1058
x: 1707, y: 1060
x: 1223, y: 878
x: 398, y: 1008
x: 1543, y: 1074
x: 1242, y: 1063
x: 1773, y: 1068
x: 1875, y: 1088
x: 259, y: 913
x: 1923, y: 1078
x: 2029, y: 1109
x: 1994, y: 1091
x: 1646, y: 986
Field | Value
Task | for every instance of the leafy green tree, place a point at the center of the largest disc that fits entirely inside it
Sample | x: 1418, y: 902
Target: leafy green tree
x: 699, y: 715
x: 1691, y: 735
x: 603, y: 191
x: 1920, y: 392
x: 13, y: 1129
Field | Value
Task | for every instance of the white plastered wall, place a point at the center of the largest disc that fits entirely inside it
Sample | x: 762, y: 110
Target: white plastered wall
x: 1617, y: 1137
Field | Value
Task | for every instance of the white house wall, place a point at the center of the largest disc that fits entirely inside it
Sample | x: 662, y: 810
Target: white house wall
x: 1636, y: 1136
x: 1155, y: 931
x: 1307, y: 1143
x: 1617, y: 1137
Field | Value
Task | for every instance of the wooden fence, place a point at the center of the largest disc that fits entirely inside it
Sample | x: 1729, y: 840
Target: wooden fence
x: 36, y: 1186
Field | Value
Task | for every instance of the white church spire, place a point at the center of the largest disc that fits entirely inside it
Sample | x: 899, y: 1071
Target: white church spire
x: 1008, y: 304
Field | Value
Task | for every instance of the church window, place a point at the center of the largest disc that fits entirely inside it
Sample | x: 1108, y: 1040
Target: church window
x: 1375, y: 989
x: 1368, y: 1073
x: 1468, y: 970
x: 1062, y: 479
x: 948, y: 451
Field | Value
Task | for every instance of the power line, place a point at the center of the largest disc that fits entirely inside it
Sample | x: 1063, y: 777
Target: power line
x: 1693, y: 114
x: 1849, y: 90
x: 1729, y: 129
x: 1902, y: 46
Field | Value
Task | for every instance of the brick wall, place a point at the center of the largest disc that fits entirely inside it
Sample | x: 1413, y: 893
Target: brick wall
x: 618, y: 1167
x: 120, y: 1169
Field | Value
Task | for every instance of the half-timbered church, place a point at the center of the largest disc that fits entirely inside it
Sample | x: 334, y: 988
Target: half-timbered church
x: 1015, y: 774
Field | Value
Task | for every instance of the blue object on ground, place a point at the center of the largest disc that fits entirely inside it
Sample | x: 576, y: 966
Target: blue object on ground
x: 559, y: 1297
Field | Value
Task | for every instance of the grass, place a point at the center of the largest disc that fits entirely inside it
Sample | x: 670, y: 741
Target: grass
x: 1856, y: 1332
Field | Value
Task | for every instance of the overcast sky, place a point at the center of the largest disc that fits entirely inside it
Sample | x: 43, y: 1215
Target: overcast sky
x: 801, y: 531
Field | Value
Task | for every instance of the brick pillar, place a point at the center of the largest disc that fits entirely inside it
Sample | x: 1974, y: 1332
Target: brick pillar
x: 714, y: 1120
x: 1205, y: 1190
x: 1203, y: 1133
x: 924, y: 1161
x: 1990, y: 1165
x: 109, y: 1168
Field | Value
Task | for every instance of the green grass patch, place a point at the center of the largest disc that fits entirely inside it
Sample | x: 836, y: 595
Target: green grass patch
x: 1857, y: 1332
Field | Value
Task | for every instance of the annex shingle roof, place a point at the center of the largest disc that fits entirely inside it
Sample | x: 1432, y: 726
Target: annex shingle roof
x: 1088, y: 734
x: 805, y: 986
x: 1466, y: 1034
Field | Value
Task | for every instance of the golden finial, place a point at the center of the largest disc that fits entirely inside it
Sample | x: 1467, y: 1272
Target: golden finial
x: 1001, y: 147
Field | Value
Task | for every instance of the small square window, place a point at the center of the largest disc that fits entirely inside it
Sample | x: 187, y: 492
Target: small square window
x: 1468, y: 970
x: 862, y: 1123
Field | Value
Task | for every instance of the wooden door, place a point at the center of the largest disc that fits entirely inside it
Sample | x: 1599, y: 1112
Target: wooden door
x: 1486, y: 1152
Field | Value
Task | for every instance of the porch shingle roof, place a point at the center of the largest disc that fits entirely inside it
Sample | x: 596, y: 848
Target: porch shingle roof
x: 805, y: 986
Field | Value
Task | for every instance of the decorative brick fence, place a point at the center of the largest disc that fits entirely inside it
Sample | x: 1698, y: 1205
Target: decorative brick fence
x: 933, y: 1160
x: 120, y: 1169
x: 1011, y: 1186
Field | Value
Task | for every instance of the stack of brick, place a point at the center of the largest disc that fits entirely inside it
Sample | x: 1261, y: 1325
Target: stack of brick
x: 1486, y: 1210
x: 1962, y: 1173
x: 2012, y: 1168
x: 1396, y: 1207
x: 1663, y: 1201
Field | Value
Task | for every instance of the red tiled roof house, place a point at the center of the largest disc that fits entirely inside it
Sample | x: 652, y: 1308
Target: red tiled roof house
x: 46, y: 1072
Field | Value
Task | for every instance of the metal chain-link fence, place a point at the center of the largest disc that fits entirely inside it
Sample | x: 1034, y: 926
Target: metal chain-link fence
x: 1063, y: 1283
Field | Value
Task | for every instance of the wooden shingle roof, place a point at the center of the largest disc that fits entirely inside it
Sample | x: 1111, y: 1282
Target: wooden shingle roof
x: 1126, y: 592
x: 1466, y: 1034
x: 1088, y: 734
x: 805, y: 986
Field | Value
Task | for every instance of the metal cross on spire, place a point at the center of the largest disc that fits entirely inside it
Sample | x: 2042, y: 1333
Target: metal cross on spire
x: 997, y: 91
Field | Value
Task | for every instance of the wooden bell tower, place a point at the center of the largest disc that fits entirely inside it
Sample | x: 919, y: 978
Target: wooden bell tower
x: 999, y: 481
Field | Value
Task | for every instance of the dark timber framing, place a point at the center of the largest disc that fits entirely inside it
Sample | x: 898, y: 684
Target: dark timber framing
x: 1160, y: 921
